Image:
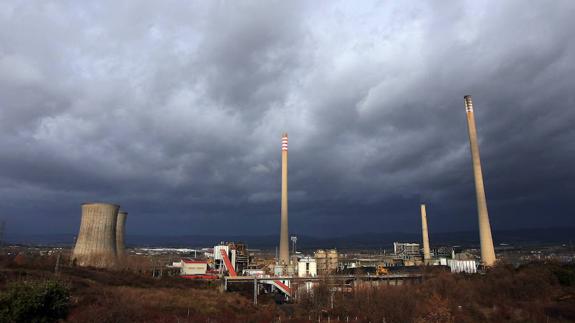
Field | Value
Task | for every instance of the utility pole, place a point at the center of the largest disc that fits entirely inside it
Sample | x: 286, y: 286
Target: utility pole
x: 57, y: 266
x: 2, y: 228
x: 255, y: 291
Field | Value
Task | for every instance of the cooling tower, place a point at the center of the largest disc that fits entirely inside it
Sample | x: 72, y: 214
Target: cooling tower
x: 284, y: 242
x: 425, y: 233
x: 120, y: 233
x: 487, y: 250
x: 96, y: 243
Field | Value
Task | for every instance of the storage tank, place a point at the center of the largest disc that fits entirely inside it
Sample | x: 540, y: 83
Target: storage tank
x: 332, y: 260
x: 96, y: 243
x: 321, y: 261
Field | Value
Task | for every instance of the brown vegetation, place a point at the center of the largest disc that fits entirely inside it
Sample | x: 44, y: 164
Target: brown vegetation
x: 532, y: 293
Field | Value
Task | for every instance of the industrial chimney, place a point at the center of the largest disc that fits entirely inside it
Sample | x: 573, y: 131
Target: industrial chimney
x: 425, y: 233
x: 487, y: 250
x: 284, y: 242
x: 96, y: 243
x: 120, y: 225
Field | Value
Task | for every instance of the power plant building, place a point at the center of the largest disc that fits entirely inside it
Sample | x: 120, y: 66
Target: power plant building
x: 327, y: 261
x: 96, y: 243
x: 406, y: 250
x: 193, y: 267
x: 307, y: 267
x: 487, y: 249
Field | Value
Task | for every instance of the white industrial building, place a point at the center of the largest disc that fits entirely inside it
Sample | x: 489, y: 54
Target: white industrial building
x: 191, y: 267
x: 307, y: 267
x: 219, y: 260
x: 460, y: 266
x: 406, y: 250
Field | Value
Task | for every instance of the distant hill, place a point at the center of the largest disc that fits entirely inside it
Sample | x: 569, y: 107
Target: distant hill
x: 359, y: 241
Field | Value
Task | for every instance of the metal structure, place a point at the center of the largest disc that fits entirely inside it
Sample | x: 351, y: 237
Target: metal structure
x: 425, y: 233
x: 96, y: 243
x: 293, y: 244
x: 284, y: 239
x: 120, y: 233
x: 242, y: 256
x: 487, y: 250
x: 406, y: 250
x: 228, y: 263
x: 344, y: 282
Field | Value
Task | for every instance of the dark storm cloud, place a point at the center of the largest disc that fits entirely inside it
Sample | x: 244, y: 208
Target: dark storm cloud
x: 175, y: 111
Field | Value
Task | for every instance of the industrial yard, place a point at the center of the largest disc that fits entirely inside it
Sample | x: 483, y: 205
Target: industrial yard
x: 540, y: 291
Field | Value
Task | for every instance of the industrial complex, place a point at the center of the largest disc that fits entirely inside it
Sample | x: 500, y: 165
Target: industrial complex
x: 100, y: 243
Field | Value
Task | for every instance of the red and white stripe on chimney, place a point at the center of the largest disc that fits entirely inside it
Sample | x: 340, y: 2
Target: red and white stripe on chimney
x: 285, y: 142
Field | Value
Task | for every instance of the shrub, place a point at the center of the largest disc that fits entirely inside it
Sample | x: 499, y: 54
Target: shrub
x: 46, y: 301
x: 565, y: 275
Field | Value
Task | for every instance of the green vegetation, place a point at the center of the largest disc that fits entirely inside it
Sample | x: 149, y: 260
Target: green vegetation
x: 33, y: 301
x: 565, y: 275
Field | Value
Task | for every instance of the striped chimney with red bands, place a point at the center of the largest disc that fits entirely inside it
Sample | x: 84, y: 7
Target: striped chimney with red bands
x: 285, y: 142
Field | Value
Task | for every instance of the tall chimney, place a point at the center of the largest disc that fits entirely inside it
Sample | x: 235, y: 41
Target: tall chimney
x: 487, y: 250
x: 426, y: 252
x: 284, y: 242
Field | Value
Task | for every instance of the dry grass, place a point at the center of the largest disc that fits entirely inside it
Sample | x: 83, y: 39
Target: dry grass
x: 534, y: 293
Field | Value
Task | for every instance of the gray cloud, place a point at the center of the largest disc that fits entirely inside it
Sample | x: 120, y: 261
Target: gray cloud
x: 175, y: 111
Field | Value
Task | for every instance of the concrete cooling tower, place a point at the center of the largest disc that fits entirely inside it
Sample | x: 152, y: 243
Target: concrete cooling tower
x: 96, y: 243
x: 120, y: 225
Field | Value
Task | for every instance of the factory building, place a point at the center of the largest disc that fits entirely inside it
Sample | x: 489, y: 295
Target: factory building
x: 406, y: 250
x: 242, y: 256
x: 307, y: 267
x: 237, y: 253
x: 327, y: 261
x: 193, y: 267
x: 96, y: 243
x: 219, y: 261
x: 442, y: 252
x: 460, y: 266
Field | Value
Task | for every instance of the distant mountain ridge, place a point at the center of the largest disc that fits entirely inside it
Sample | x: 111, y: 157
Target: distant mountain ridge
x: 355, y: 241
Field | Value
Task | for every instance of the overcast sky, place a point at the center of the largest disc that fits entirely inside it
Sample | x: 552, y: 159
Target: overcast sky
x: 175, y: 109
